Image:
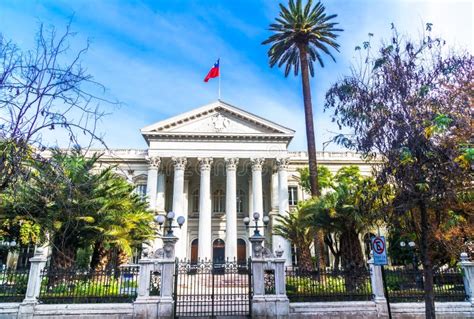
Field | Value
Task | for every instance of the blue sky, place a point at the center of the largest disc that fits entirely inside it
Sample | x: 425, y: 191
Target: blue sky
x: 153, y: 55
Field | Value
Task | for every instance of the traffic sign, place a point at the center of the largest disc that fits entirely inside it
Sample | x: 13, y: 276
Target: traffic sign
x: 380, y: 250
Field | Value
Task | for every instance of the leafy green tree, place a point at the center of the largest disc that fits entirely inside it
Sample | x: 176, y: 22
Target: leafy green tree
x: 410, y: 103
x: 325, y: 179
x: 348, y: 210
x: 74, y: 206
x: 294, y: 227
x: 301, y: 35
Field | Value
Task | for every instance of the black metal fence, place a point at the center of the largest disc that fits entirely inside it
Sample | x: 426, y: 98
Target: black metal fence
x: 13, y: 283
x: 208, y: 289
x: 155, y: 283
x: 407, y: 285
x: 328, y: 285
x: 73, y: 286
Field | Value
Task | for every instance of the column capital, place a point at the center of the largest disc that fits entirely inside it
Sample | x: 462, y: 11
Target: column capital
x: 205, y: 163
x: 257, y: 163
x: 282, y: 163
x: 154, y: 161
x: 231, y: 163
x: 179, y: 163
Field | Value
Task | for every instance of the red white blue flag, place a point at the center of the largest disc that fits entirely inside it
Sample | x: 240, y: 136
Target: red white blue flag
x: 214, y: 72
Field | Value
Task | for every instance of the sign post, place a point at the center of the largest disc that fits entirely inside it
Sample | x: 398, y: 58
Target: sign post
x: 379, y: 248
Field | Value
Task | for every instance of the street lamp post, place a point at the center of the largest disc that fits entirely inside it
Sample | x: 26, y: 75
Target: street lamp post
x: 411, y: 248
x: 167, y: 223
x: 256, y: 227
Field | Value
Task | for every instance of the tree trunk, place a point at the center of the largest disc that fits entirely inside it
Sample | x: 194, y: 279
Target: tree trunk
x: 100, y: 257
x: 305, y: 262
x: 427, y: 264
x: 308, y: 113
x: 63, y: 255
x: 319, y: 249
x: 353, y: 265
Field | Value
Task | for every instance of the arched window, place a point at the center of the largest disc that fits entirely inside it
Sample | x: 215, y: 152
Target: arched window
x: 218, y: 201
x: 195, y: 201
x: 240, y: 201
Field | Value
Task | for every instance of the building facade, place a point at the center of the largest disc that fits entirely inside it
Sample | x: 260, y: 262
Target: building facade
x: 216, y: 165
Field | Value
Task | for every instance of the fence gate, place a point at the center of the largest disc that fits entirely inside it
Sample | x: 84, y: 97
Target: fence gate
x: 212, y: 289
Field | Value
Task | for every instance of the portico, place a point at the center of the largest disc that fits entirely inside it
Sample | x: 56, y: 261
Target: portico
x: 214, y: 166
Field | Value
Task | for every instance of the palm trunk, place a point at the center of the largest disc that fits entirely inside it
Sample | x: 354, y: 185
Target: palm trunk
x: 63, y: 257
x: 308, y: 113
x: 100, y: 257
x: 304, y: 259
x: 319, y: 249
x: 427, y: 264
x: 353, y: 265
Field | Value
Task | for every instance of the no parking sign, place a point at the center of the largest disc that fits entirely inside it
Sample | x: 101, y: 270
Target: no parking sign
x: 380, y: 250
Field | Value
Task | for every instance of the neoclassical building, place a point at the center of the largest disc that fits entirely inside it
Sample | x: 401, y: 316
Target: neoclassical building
x: 216, y: 165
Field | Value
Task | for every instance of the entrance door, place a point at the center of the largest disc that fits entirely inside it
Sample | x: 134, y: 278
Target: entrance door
x: 194, y: 251
x: 241, y: 252
x: 218, y: 251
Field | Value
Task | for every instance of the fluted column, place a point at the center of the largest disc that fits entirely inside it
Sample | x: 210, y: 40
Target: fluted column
x: 178, y: 207
x: 283, y: 207
x: 257, y: 190
x: 231, y: 208
x: 152, y: 181
x: 205, y: 216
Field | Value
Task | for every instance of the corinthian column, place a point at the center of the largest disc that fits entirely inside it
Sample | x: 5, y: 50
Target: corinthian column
x: 283, y: 207
x: 257, y: 190
x: 231, y: 208
x: 205, y: 217
x: 152, y: 180
x: 178, y: 207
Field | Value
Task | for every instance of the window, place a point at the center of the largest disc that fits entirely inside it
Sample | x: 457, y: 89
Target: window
x: 292, y: 195
x: 140, y: 189
x: 240, y: 201
x: 195, y: 201
x: 218, y: 201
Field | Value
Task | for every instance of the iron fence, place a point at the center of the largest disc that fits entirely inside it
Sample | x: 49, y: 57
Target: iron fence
x: 407, y: 285
x: 73, y: 286
x: 328, y: 285
x: 206, y: 289
x: 13, y: 283
x: 155, y: 283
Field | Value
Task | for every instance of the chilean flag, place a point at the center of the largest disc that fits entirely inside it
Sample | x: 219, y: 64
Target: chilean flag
x: 213, y: 72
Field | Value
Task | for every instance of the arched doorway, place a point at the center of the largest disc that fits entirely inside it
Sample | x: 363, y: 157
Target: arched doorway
x: 194, y: 251
x: 218, y: 251
x: 241, y: 251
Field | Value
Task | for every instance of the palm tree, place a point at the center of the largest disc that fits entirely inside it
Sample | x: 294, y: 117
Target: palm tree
x: 294, y: 227
x: 301, y: 33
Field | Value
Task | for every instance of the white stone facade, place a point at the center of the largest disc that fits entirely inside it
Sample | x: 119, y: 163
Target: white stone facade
x: 216, y: 165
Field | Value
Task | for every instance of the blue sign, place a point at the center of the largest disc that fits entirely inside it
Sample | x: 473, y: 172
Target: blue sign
x: 380, y: 250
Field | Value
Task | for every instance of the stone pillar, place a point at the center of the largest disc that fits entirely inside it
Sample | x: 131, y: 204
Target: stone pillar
x: 167, y: 263
x: 468, y: 272
x: 205, y: 214
x: 231, y: 209
x: 282, y: 303
x: 280, y: 243
x: 258, y: 264
x: 152, y: 181
x: 160, y: 193
x: 257, y: 191
x: 145, y: 306
x: 376, y: 281
x: 178, y: 207
x: 38, y: 261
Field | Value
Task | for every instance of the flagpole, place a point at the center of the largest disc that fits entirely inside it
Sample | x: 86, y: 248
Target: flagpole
x: 219, y: 90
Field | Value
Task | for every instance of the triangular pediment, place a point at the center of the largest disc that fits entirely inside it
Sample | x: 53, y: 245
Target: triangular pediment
x: 217, y: 119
